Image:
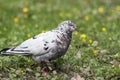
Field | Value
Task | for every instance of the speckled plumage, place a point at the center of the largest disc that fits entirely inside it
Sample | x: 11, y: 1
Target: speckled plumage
x: 45, y: 46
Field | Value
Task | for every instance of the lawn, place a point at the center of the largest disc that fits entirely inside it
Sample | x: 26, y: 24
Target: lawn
x: 94, y: 50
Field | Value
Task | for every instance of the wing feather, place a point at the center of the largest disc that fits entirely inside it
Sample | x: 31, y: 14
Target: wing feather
x: 38, y: 45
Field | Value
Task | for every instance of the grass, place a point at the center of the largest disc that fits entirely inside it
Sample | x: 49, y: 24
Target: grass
x: 94, y: 50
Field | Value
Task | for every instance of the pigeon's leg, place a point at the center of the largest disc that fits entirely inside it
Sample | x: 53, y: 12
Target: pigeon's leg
x: 47, y: 66
x: 42, y: 64
x: 51, y: 65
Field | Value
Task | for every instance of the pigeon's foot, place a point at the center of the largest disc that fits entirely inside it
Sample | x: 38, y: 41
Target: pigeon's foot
x: 47, y: 67
x: 44, y: 72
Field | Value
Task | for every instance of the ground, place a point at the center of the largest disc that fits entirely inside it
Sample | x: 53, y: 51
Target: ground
x: 94, y: 50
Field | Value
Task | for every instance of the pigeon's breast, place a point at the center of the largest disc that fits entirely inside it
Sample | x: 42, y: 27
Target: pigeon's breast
x: 62, y: 42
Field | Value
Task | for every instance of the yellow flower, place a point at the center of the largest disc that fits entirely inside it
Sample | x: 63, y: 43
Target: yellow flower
x: 95, y: 52
x: 103, y: 29
x: 25, y: 9
x: 101, y: 10
x: 83, y: 40
x: 74, y: 9
x: 61, y: 14
x: 86, y: 18
x: 118, y: 8
x: 24, y: 26
x: 76, y: 33
x: 15, y: 20
x: 90, y: 41
x: 83, y: 36
x: 28, y: 35
x: 69, y: 15
x: 43, y: 31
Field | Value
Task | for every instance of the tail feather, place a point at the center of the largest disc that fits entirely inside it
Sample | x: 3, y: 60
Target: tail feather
x: 4, y: 50
x: 11, y: 51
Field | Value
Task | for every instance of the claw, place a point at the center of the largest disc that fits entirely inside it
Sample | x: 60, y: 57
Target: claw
x: 44, y: 72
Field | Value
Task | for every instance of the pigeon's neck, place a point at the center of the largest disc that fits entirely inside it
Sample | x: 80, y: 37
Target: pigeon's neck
x: 64, y: 30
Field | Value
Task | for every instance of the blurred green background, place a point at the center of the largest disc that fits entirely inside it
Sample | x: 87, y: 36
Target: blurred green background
x: 94, y: 50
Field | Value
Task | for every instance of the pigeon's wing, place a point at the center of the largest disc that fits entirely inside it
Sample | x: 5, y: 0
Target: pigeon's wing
x: 37, y: 45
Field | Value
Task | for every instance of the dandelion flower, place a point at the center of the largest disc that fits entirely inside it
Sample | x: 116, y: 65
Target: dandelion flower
x: 76, y: 33
x: 69, y: 15
x: 25, y: 9
x: 118, y: 8
x: 103, y: 29
x: 95, y: 52
x: 28, y: 35
x: 43, y: 31
x: 86, y: 18
x: 83, y: 40
x: 83, y: 36
x: 15, y: 20
x: 74, y: 9
x: 61, y: 14
x: 24, y: 26
x: 90, y: 41
x: 101, y: 10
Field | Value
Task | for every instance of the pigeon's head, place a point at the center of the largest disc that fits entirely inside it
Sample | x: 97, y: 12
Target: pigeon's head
x: 67, y: 26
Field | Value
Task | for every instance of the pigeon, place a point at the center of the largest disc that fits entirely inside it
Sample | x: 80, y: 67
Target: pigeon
x: 45, y: 46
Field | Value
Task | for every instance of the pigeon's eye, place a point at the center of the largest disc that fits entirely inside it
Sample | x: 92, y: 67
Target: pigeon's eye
x: 70, y: 24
